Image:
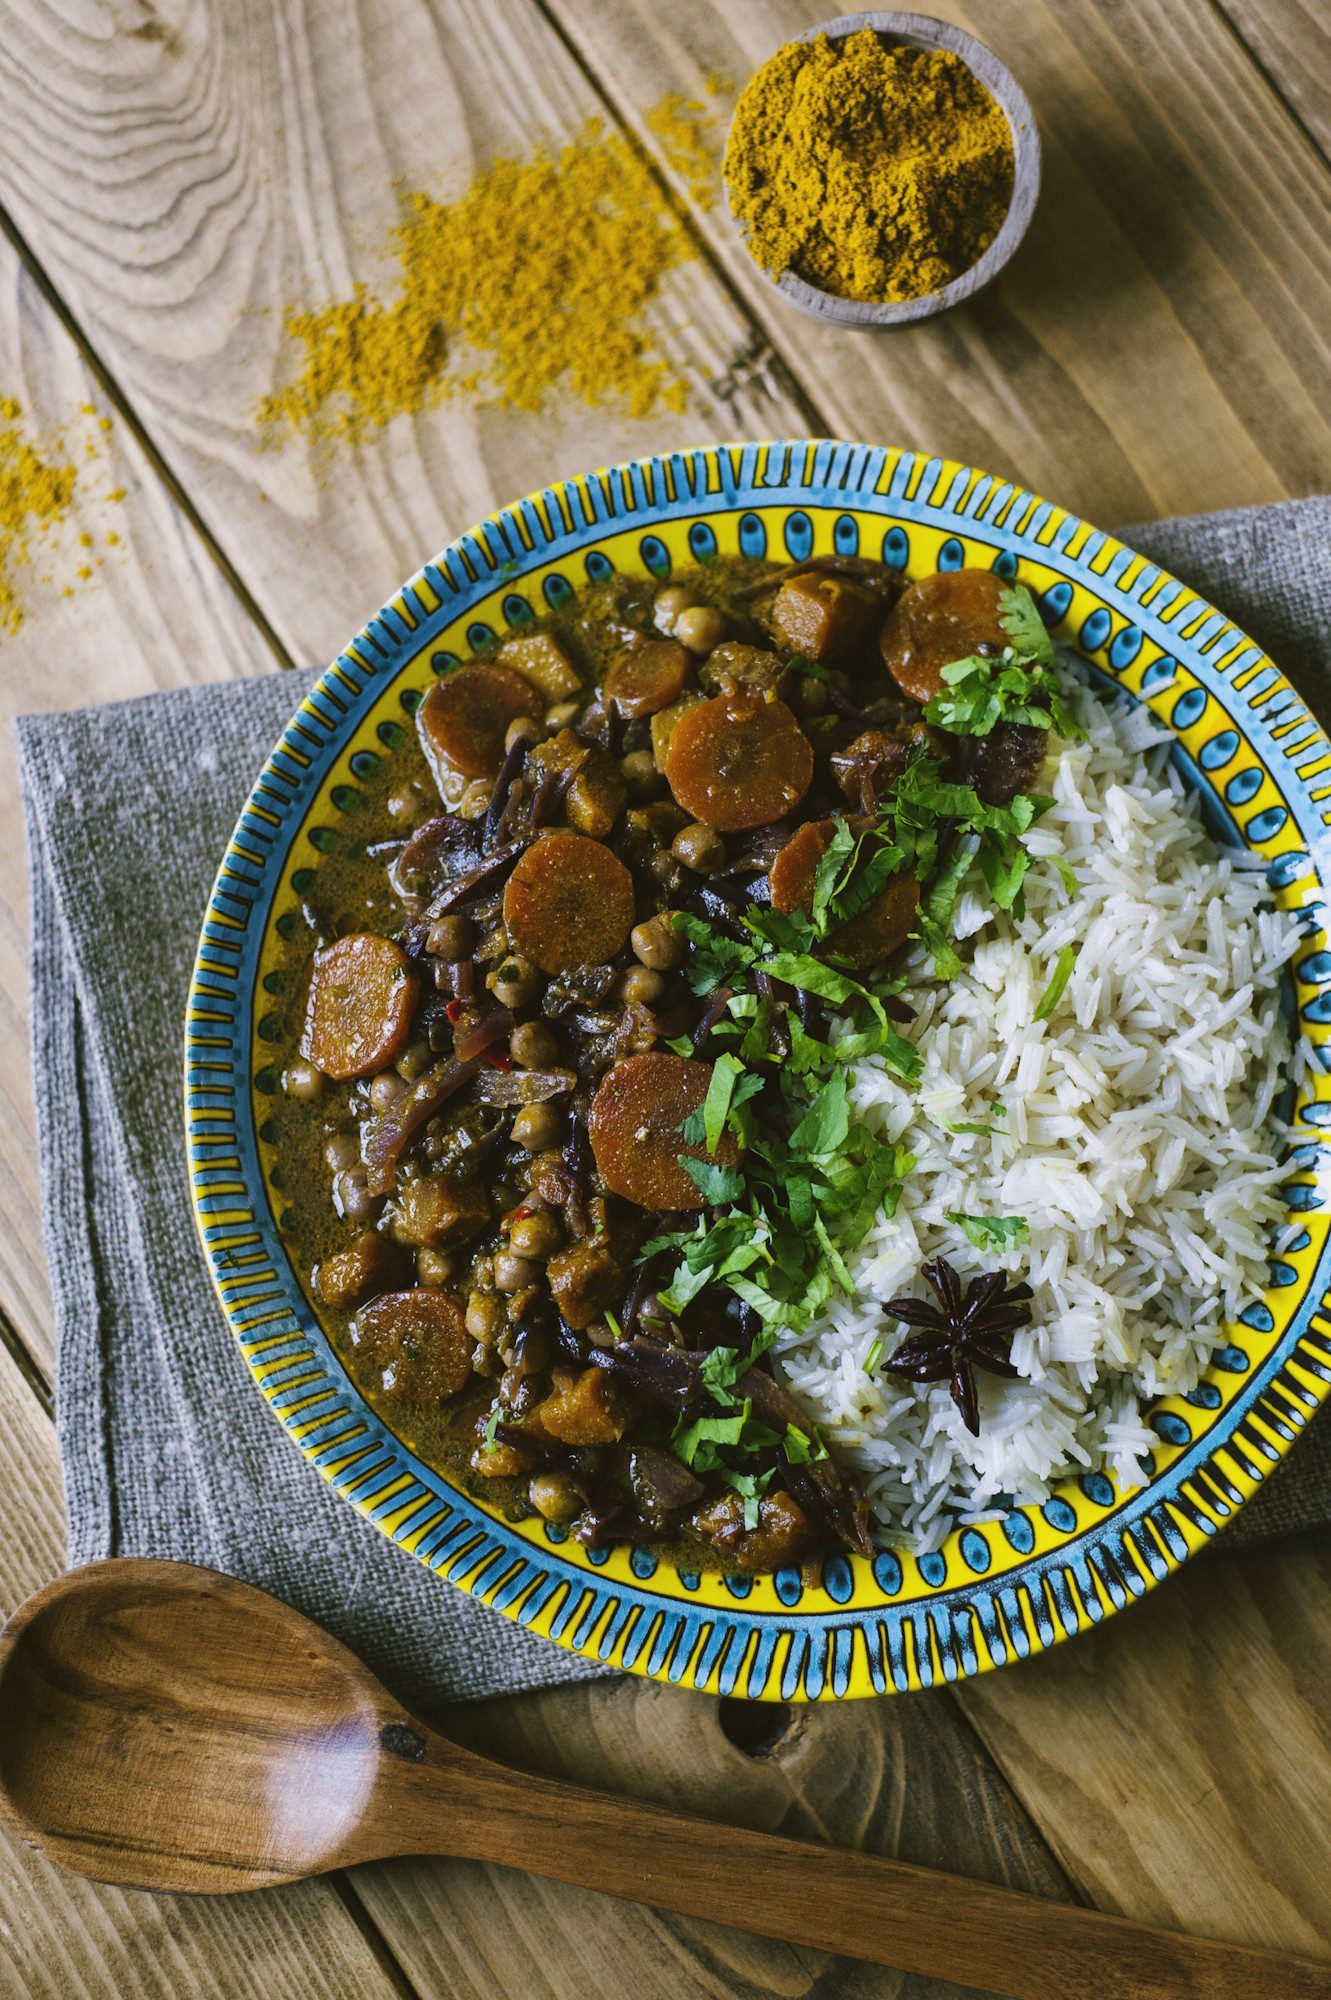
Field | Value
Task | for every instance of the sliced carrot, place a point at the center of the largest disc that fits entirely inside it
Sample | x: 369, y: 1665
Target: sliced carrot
x: 363, y: 993
x: 881, y: 929
x: 569, y: 902
x: 938, y: 620
x: 791, y: 875
x: 464, y: 717
x: 645, y: 679
x: 414, y: 1346
x: 635, y: 1123
x: 736, y: 762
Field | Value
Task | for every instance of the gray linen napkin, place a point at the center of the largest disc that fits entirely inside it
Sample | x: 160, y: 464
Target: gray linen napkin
x: 166, y: 1448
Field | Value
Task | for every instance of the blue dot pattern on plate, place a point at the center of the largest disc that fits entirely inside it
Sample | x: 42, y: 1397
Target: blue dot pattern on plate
x: 1159, y: 674
x: 798, y: 536
x: 838, y: 1581
x: 933, y: 1568
x: 846, y: 535
x: 598, y: 566
x: 951, y: 555
x: 1005, y: 565
x: 558, y: 591
x: 655, y: 555
x: 1189, y: 708
x: 1054, y: 602
x: 887, y: 1572
x: 517, y: 610
x: 1095, y: 630
x: 1219, y: 750
x: 1060, y: 1515
x: 702, y: 543
x: 1125, y: 648
x: 1098, y: 1489
x: 1019, y: 1532
x: 896, y: 548
x: 752, y: 536
x: 479, y: 636
x: 1287, y: 868
x: 1266, y: 825
x: 975, y: 1552
x: 1170, y: 1427
x: 1243, y: 787
x: 789, y: 1586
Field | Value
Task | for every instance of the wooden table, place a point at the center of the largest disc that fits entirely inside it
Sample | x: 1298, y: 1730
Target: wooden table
x: 172, y: 175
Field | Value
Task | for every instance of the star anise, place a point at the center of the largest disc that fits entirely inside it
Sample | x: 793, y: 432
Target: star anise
x: 966, y: 1330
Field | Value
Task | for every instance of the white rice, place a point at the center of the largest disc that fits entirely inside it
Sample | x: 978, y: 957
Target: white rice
x: 1139, y: 1144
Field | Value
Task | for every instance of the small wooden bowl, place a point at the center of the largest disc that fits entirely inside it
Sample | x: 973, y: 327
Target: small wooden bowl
x: 921, y: 31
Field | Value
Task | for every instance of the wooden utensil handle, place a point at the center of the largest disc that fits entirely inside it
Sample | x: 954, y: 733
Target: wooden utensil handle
x: 888, y: 1912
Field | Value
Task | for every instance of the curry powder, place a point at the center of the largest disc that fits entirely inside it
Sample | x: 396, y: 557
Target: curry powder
x: 34, y: 494
x: 537, y: 280
x: 873, y: 171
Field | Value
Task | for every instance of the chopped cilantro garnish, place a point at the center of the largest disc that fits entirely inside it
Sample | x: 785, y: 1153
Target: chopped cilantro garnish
x: 1053, y: 992
x: 1018, y: 685
x: 873, y: 1357
x: 992, y: 1232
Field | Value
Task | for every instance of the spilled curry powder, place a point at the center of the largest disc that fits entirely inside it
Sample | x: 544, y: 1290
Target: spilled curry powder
x: 874, y: 171
x: 537, y: 279
x: 36, y: 491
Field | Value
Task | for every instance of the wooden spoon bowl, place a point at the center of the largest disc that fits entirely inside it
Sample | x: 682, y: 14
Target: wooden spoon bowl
x: 168, y: 1728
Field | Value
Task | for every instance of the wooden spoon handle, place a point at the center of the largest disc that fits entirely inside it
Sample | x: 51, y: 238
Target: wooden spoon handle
x: 888, y: 1912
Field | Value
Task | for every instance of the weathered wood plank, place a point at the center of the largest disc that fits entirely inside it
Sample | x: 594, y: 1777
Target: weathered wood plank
x: 1291, y: 39
x: 184, y: 184
x: 1179, y: 1759
x: 60, y: 1937
x: 154, y: 612
x: 1161, y: 343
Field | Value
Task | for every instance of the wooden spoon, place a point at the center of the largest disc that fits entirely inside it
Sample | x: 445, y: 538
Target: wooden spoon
x: 168, y: 1728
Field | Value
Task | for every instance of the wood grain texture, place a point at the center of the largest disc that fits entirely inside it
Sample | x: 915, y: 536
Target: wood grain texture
x: 1291, y: 39
x: 185, y: 182
x: 60, y: 1937
x: 154, y: 612
x: 898, y: 1778
x: 1162, y: 341
x: 1179, y: 1759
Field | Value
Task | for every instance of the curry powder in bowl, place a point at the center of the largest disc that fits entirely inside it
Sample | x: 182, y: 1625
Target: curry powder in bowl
x: 874, y: 174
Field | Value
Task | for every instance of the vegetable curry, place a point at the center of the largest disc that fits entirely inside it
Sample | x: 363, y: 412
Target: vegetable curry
x: 565, y: 1132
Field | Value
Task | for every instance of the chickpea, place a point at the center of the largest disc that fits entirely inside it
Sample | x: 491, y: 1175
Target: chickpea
x: 662, y: 867
x: 554, y: 1496
x: 475, y: 800
x: 414, y: 1060
x: 450, y: 938
x: 656, y: 943
x: 485, y: 1361
x: 514, y: 1273
x: 699, y: 847
x: 522, y: 729
x: 668, y: 606
x: 600, y: 1333
x: 810, y: 695
x: 532, y: 1046
x: 341, y: 1151
x: 303, y: 1081
x: 642, y: 985
x: 485, y: 1318
x: 537, y: 1127
x: 386, y: 1090
x: 406, y: 803
x: 639, y: 772
x: 537, y: 1235
x: 351, y: 1195
x: 528, y: 1352
x: 563, y: 715
x: 435, y: 1267
x: 515, y: 982
x: 700, y: 628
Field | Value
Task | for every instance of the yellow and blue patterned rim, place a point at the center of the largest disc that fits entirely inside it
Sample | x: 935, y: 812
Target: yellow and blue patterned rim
x: 994, y: 1592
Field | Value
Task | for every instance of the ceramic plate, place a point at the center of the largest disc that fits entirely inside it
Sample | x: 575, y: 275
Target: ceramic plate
x: 993, y: 1593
